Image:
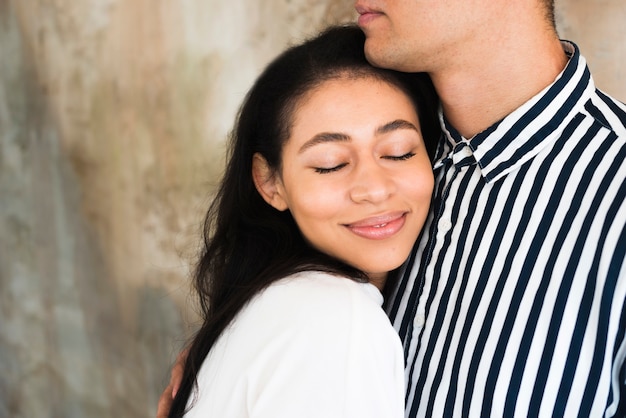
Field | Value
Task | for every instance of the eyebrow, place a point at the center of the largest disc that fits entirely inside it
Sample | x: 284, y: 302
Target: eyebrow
x: 324, y: 137
x: 395, y: 125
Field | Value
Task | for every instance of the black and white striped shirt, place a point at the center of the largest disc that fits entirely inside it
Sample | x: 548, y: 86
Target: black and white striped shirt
x: 514, y: 301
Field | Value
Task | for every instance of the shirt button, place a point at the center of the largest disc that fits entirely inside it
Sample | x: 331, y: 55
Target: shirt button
x: 419, y: 320
x: 466, y: 152
x: 445, y: 225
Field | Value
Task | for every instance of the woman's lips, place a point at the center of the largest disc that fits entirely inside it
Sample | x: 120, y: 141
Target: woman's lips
x: 378, y: 227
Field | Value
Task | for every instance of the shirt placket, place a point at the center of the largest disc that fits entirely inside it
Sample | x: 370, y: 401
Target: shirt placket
x: 452, y: 168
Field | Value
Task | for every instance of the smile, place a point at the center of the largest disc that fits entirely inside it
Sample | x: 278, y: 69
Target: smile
x: 378, y: 227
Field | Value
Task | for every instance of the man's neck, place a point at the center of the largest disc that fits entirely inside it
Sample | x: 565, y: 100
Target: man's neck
x: 478, y: 92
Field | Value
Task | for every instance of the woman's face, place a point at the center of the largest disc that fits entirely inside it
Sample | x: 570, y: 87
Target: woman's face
x: 355, y: 174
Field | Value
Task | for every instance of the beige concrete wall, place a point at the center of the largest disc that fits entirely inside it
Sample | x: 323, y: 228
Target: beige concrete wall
x: 598, y: 27
x: 112, y: 120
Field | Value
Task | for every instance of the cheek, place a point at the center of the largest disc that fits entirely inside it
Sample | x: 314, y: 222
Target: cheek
x: 316, y: 202
x: 421, y: 186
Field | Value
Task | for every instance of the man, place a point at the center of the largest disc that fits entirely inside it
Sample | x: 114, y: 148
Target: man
x: 513, y: 301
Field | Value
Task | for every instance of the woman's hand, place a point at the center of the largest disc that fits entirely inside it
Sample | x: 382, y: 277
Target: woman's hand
x: 165, y: 401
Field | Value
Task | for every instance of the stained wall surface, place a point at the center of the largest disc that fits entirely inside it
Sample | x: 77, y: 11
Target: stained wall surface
x: 113, y: 116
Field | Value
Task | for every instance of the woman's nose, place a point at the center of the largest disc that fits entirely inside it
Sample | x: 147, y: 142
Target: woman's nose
x: 372, y: 184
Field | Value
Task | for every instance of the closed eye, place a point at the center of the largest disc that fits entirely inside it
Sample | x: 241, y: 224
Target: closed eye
x: 323, y: 170
x: 399, y: 157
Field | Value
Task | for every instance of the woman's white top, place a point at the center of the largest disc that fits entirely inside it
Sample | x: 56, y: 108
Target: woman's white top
x: 310, y: 345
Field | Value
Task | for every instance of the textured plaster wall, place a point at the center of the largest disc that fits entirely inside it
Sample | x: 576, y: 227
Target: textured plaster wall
x: 112, y: 120
x: 598, y: 27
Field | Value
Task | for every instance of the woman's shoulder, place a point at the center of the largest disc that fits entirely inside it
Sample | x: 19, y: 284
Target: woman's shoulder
x: 317, y: 303
x: 310, y: 289
x: 308, y: 337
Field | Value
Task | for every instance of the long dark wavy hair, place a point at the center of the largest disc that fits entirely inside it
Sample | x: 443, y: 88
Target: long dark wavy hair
x: 247, y: 243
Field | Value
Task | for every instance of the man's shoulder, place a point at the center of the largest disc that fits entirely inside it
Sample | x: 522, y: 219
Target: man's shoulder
x: 609, y: 112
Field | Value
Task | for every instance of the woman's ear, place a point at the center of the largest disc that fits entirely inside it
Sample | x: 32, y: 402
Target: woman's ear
x: 267, y: 183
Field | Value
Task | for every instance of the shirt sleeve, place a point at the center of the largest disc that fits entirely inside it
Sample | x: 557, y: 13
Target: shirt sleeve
x: 328, y: 351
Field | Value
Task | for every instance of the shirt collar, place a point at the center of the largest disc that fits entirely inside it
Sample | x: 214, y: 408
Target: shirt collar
x: 521, y: 135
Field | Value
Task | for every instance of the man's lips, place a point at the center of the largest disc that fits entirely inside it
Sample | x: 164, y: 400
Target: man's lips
x: 366, y: 14
x: 378, y: 227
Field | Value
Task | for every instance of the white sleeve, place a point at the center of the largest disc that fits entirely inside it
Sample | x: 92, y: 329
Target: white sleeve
x: 330, y: 351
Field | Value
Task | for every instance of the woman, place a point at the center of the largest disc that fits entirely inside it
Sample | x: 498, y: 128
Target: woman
x: 326, y: 188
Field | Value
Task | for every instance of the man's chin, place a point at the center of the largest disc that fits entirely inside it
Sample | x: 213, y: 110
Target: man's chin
x: 380, y: 57
x: 374, y: 56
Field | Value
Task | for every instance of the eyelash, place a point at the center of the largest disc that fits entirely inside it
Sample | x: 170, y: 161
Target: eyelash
x: 322, y: 170
x: 401, y: 157
x: 404, y: 157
